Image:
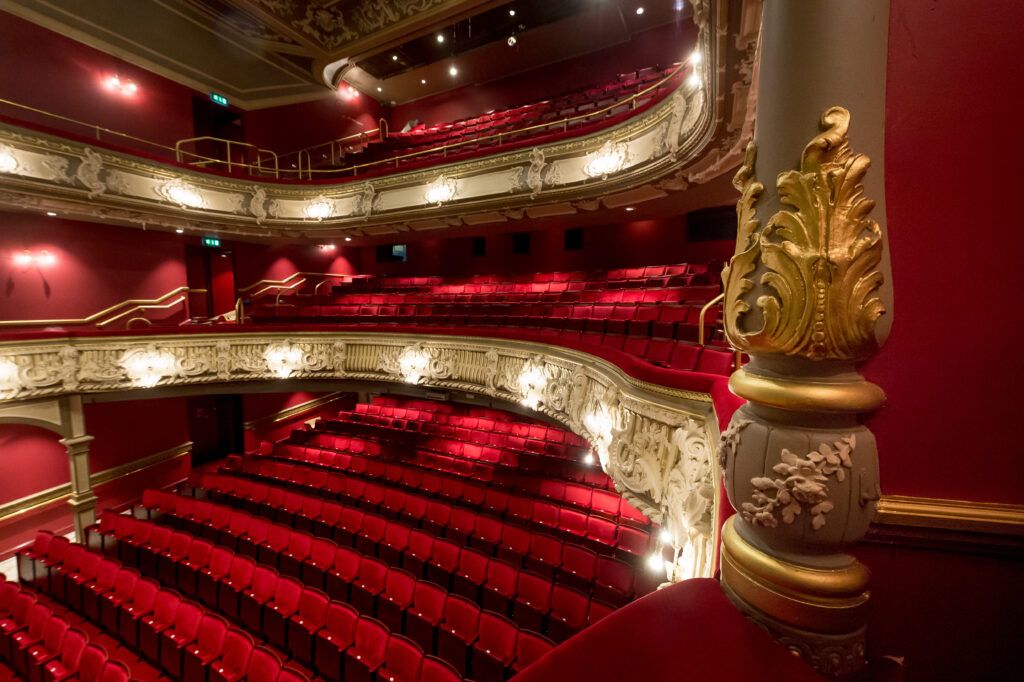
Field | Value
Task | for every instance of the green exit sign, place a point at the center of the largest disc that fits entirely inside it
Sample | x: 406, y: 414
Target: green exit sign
x: 212, y: 242
x: 218, y: 99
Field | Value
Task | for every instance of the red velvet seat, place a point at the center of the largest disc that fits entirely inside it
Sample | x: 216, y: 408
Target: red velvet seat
x: 38, y: 655
x: 132, y: 613
x: 495, y: 649
x: 231, y: 589
x: 111, y: 603
x: 264, y: 666
x: 290, y: 562
x: 26, y: 557
x: 420, y: 548
x: 397, y: 596
x: 529, y: 648
x: 532, y: 602
x: 366, y: 655
x: 151, y: 627
x: 199, y: 656
x: 343, y: 573
x: 115, y: 671
x: 279, y: 609
x: 234, y: 660
x: 305, y: 623
x: 192, y: 564
x: 65, y: 664
x: 613, y: 580
x: 93, y: 591
x: 546, y: 555
x: 444, y: 561
x: 91, y: 663
x: 180, y: 635
x: 216, y: 571
x: 499, y: 589
x: 394, y: 543
x: 28, y: 636
x: 458, y: 631
x: 259, y: 593
x: 369, y: 583
x: 334, y: 639
x: 469, y: 577
x: 436, y: 670
x: 425, y: 614
x: 403, y: 661
x: 568, y: 613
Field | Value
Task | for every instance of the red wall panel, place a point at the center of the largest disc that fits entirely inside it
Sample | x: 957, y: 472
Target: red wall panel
x: 951, y: 367
x: 659, y: 46
x: 31, y: 460
x: 95, y: 266
x: 66, y: 77
x: 296, y: 126
x: 255, y: 262
x: 125, y: 431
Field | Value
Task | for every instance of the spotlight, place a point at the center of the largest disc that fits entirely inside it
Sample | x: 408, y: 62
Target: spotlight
x: 695, y: 57
x: 679, y: 5
x: 180, y: 230
x: 452, y: 71
x: 639, y: 11
x: 348, y: 239
x: 380, y: 89
x: 512, y: 41
x: 631, y: 208
x: 511, y: 12
x: 423, y: 81
x: 327, y: 247
x: 52, y: 214
x: 45, y: 258
x: 440, y: 37
x: 23, y: 259
x: 588, y: 459
x: 120, y: 85
x: 394, y: 57
x: 656, y: 563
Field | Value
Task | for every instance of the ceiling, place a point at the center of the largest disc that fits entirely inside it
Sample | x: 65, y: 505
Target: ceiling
x: 262, y: 53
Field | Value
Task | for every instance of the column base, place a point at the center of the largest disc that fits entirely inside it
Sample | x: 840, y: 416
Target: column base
x: 817, y: 611
x: 83, y: 513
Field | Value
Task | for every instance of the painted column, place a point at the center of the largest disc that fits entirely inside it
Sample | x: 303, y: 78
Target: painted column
x: 807, y: 296
x: 83, y: 500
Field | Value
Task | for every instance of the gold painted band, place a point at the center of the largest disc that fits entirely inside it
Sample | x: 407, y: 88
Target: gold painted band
x: 807, y: 396
x: 808, y: 598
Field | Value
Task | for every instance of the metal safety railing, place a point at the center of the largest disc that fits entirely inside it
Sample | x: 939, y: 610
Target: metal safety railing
x: 228, y: 160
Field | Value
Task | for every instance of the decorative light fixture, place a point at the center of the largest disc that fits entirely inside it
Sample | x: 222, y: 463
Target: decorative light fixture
x: 120, y: 85
x: 283, y: 359
x: 532, y: 381
x: 145, y: 367
x: 319, y: 207
x: 413, y: 363
x: 423, y: 81
x: 180, y: 230
x: 695, y: 57
x: 693, y: 80
x: 512, y: 40
x: 679, y: 4
x: 347, y: 92
x: 380, y: 89
x: 511, y: 12
x: 52, y: 214
x: 182, y: 193
x: 452, y: 71
x: 394, y: 57
x: 639, y: 11
x: 588, y: 459
x: 10, y: 378
x: 607, y: 160
x: 348, y: 239
x: 327, y: 247
x: 656, y: 564
x: 440, y: 37
x: 664, y: 536
x: 441, y: 190
x: 8, y: 162
x: 631, y: 208
x: 26, y: 258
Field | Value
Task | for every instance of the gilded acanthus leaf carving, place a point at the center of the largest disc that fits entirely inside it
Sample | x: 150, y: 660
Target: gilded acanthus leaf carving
x: 819, y: 261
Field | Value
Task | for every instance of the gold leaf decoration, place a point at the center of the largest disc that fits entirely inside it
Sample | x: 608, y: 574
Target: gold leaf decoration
x: 819, y: 261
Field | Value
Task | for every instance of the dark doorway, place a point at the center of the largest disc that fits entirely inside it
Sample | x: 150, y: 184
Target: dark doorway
x: 213, y: 120
x: 215, y: 427
x: 212, y: 272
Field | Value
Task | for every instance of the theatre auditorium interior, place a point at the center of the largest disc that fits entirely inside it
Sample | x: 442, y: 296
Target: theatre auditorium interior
x: 533, y: 340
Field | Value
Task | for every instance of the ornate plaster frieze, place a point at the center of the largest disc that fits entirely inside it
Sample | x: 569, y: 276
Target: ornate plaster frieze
x: 654, y: 442
x: 670, y: 138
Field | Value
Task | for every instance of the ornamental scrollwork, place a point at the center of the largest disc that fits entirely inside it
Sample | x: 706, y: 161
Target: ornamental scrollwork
x: 819, y: 261
x: 88, y: 173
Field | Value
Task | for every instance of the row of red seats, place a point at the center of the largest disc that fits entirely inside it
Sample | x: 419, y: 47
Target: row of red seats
x: 496, y: 468
x: 433, y: 547
x: 157, y: 622
x: 592, y: 529
x: 277, y: 604
x: 591, y: 499
x: 474, y: 419
x: 563, y: 292
x: 40, y: 645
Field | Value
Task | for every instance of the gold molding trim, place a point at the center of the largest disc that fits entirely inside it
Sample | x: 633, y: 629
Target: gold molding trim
x: 61, y: 492
x: 990, y: 518
x: 294, y: 410
x: 807, y: 394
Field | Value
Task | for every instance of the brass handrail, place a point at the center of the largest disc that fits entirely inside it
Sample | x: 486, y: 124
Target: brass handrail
x: 307, y: 151
x: 239, y: 310
x: 703, y: 312
x: 269, y: 284
x: 98, y: 317
x: 228, y: 143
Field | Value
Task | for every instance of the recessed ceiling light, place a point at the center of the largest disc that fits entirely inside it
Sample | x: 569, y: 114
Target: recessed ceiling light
x: 631, y: 208
x: 679, y: 5
x: 423, y: 81
x: 440, y: 37
x: 639, y: 10
x: 52, y: 214
x: 394, y: 57
x: 511, y: 12
x: 380, y: 89
x: 348, y: 239
x: 180, y: 230
x: 453, y: 71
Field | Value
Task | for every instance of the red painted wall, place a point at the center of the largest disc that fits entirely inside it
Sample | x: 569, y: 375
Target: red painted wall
x: 659, y: 46
x: 32, y: 460
x: 257, y: 406
x: 125, y: 431
x: 255, y: 262
x: 45, y: 70
x: 290, y: 128
x: 95, y: 266
x: 629, y: 244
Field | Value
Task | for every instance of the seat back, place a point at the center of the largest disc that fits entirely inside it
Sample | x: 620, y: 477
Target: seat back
x: 91, y: 662
x: 313, y: 606
x: 534, y: 590
x: 530, y: 647
x: 287, y: 594
x: 403, y: 658
x: 462, y: 616
x: 72, y: 647
x: 115, y: 671
x: 400, y: 586
x: 166, y: 607
x: 371, y: 641
x: 436, y: 670
x: 264, y: 666
x: 186, y: 620
x: 428, y: 600
x: 212, y: 631
x: 340, y: 622
x: 238, y: 646
x: 498, y: 636
x: 144, y: 595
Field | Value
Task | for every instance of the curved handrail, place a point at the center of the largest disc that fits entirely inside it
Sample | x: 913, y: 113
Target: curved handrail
x: 122, y: 308
x: 704, y: 311
x: 258, y: 165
